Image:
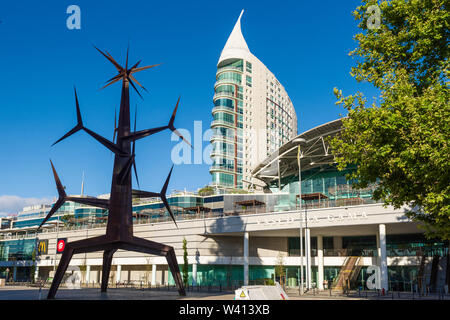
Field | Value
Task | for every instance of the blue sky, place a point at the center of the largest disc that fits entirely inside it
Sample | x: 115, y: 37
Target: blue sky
x: 304, y: 43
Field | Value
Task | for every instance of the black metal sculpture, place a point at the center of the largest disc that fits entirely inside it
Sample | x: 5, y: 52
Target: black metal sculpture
x: 119, y: 230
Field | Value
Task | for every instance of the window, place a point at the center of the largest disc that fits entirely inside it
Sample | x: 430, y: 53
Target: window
x: 248, y: 67
x: 230, y: 76
x: 248, y: 81
x: 226, y: 89
x: 226, y: 117
x: 238, y: 65
x: 228, y: 103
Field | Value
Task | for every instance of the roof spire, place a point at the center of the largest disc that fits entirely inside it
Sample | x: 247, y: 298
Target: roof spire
x: 236, y: 40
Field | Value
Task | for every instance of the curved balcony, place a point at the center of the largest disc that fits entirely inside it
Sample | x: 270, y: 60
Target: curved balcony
x: 222, y: 123
x: 223, y: 109
x: 224, y: 94
x: 221, y: 153
x: 224, y: 69
x: 221, y: 168
x: 227, y: 81
x: 220, y: 137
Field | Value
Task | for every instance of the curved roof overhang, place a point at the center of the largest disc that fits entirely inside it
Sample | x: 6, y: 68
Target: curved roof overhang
x: 314, y: 152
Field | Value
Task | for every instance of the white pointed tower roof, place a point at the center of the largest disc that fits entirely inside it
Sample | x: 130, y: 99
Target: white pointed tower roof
x: 236, y: 46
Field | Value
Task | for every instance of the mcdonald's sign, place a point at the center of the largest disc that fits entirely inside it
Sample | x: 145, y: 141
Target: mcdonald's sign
x: 61, y: 245
x: 42, y: 247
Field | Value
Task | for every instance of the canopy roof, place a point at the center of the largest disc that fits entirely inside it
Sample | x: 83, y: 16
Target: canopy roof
x: 314, y: 152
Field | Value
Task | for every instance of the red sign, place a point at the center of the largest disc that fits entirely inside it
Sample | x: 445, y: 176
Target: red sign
x: 61, y: 245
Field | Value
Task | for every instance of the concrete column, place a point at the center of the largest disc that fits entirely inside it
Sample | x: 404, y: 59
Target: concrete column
x: 378, y: 248
x: 118, y: 272
x: 246, y: 252
x: 14, y: 273
x: 154, y: 275
x: 194, y: 273
x: 383, y: 257
x: 308, y: 258
x: 320, y: 262
x: 36, y: 273
x: 337, y: 242
x: 88, y: 273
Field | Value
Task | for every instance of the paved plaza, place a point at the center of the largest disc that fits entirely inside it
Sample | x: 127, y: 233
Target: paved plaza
x: 33, y: 293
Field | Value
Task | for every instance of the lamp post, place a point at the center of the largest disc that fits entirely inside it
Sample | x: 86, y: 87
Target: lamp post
x: 300, y: 141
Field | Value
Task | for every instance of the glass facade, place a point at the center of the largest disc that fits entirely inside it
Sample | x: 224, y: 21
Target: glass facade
x: 326, y: 180
x: 20, y: 249
x: 227, y: 125
x: 228, y: 275
x: 227, y: 103
x: 411, y: 245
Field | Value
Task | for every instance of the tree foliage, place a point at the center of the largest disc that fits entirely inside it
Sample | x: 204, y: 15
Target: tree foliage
x: 186, y: 264
x: 401, y: 140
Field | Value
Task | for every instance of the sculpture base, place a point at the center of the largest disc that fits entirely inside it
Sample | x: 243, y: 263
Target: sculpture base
x: 109, y: 247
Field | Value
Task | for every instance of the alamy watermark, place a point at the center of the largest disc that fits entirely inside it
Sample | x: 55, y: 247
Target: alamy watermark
x: 374, y: 20
x: 226, y: 144
x: 74, y: 20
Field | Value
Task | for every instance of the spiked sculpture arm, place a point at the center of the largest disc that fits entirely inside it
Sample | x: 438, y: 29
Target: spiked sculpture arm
x: 161, y: 195
x: 124, y: 73
x: 145, y: 133
x: 110, y: 145
x: 145, y: 194
x: 95, y: 202
x: 62, y: 198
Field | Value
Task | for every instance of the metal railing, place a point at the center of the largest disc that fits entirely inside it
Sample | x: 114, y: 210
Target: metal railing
x: 180, y: 217
x: 222, y: 123
x: 223, y: 69
x: 350, y: 252
x: 227, y: 81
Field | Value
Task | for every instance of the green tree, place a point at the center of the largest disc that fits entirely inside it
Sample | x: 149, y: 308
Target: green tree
x: 83, y: 269
x: 185, y: 265
x: 401, y: 140
x: 33, y: 266
x: 280, y: 268
x: 206, y: 191
x: 66, y: 219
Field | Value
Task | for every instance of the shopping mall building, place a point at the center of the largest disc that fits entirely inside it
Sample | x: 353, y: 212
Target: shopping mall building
x: 348, y: 239
x: 235, y: 239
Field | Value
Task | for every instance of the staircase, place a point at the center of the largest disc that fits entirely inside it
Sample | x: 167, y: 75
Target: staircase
x: 447, y: 272
x: 348, y: 273
x: 357, y: 269
x: 442, y: 272
x: 420, y: 276
x: 434, y: 273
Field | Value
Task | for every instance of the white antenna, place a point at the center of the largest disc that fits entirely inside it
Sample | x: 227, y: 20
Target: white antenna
x: 82, y: 184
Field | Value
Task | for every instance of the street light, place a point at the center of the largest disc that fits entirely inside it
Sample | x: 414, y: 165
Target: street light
x: 300, y: 141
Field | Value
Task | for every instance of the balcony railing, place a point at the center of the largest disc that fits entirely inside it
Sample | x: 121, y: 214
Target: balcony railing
x: 222, y: 108
x: 222, y: 153
x: 222, y: 168
x: 238, y: 69
x: 222, y: 137
x: 338, y: 252
x: 17, y: 257
x: 237, y: 211
x: 350, y: 252
x: 222, y: 123
x: 227, y: 81
x: 224, y: 94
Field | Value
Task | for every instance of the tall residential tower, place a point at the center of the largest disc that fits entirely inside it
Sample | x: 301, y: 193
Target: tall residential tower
x: 253, y: 114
